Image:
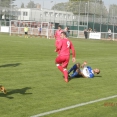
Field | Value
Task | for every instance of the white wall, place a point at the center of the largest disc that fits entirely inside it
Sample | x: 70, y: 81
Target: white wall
x: 22, y: 16
x: 4, y: 29
x: 45, y: 15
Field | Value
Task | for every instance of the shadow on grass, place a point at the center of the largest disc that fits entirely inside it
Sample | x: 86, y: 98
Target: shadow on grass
x: 10, y: 65
x: 98, y: 76
x: 84, y: 78
x: 74, y: 78
x: 20, y: 91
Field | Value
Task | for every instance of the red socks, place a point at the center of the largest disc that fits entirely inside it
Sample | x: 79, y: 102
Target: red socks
x: 65, y: 72
x: 60, y: 68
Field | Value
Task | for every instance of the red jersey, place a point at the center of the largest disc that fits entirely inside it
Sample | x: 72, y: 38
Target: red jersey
x: 64, y: 47
x: 57, y: 34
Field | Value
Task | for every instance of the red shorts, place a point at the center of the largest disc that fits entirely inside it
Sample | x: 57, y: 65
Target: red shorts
x: 63, y: 60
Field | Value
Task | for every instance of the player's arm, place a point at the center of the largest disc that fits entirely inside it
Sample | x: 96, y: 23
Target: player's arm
x: 84, y: 64
x: 73, y: 52
x: 56, y: 50
x: 55, y: 34
x: 59, y: 46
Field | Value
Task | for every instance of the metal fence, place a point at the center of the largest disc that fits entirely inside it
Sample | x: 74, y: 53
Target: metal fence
x: 49, y: 32
x: 4, y: 23
x: 103, y: 35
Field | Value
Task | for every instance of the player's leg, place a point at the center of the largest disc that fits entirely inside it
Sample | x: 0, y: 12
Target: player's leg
x: 59, y: 67
x: 58, y: 62
x: 38, y: 33
x: 64, y: 65
x: 75, y: 74
x: 73, y: 68
x: 27, y: 35
x: 65, y: 72
x: 64, y: 61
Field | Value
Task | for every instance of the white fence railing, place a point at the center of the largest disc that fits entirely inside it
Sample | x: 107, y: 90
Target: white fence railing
x: 103, y: 35
x: 50, y: 32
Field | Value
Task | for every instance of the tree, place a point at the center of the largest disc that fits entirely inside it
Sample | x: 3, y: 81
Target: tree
x: 93, y: 7
x: 5, y: 6
x: 6, y: 3
x: 22, y: 5
x: 76, y: 0
x: 113, y: 10
x: 31, y: 4
x: 60, y: 6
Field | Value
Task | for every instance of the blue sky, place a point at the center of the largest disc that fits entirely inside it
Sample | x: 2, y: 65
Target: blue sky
x: 48, y: 4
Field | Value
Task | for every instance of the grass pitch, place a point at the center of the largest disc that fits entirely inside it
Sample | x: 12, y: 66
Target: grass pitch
x: 34, y: 84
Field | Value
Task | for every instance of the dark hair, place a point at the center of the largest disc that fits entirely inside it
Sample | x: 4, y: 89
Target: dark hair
x: 98, y: 72
x: 64, y: 33
x: 59, y: 26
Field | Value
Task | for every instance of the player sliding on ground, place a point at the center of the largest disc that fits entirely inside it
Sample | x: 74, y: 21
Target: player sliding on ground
x: 83, y: 71
x: 63, y: 48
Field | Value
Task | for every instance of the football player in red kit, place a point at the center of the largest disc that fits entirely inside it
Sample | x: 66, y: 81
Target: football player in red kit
x: 64, y: 46
x: 57, y: 35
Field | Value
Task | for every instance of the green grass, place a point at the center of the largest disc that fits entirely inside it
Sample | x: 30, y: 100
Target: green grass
x: 35, y: 85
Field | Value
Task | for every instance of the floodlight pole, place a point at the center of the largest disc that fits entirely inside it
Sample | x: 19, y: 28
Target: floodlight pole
x: 78, y: 18
x: 0, y: 12
x: 50, y: 9
x: 10, y: 15
x: 31, y: 11
x: 87, y: 13
x: 113, y: 23
x: 54, y: 15
x: 11, y: 8
x: 94, y: 16
x: 43, y: 12
x: 108, y: 19
x: 101, y: 16
x: 66, y: 16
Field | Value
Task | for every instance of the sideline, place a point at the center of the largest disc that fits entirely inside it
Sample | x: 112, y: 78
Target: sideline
x: 74, y: 106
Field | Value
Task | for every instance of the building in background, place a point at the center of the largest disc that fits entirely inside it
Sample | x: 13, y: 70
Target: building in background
x: 44, y: 15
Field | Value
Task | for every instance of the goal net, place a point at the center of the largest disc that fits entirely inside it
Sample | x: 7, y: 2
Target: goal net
x: 34, y: 28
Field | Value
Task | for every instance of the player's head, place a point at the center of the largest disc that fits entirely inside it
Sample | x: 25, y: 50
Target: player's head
x: 65, y: 28
x: 63, y: 35
x: 59, y: 27
x: 97, y: 71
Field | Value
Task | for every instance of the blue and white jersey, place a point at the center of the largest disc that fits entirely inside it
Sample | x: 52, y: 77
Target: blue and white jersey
x: 88, y: 72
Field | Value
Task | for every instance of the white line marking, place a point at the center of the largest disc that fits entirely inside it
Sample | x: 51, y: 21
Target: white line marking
x: 74, y: 106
